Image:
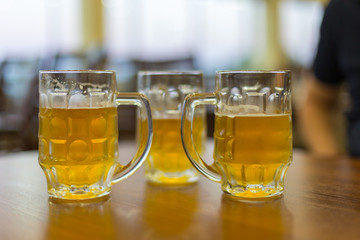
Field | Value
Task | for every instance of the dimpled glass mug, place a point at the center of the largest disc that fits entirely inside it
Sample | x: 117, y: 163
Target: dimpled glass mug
x: 252, y: 133
x: 167, y: 162
x: 78, y: 132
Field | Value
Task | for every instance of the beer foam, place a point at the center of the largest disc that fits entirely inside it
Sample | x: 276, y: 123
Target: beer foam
x: 56, y: 99
x: 78, y: 100
x: 240, y: 108
x: 71, y: 94
x: 250, y: 115
x: 166, y: 115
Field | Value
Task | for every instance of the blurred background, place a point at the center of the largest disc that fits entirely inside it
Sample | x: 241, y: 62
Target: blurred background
x: 132, y: 35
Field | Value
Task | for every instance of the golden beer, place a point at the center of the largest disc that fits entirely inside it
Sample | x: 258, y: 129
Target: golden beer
x: 253, y: 152
x: 167, y: 161
x: 78, y: 150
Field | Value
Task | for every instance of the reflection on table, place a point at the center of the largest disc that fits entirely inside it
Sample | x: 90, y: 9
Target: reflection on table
x: 321, y: 201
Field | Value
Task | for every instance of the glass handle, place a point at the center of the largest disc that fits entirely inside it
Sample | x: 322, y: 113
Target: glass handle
x: 191, y: 102
x: 143, y: 104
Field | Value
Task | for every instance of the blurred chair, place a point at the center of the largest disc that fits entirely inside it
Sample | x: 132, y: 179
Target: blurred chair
x: 93, y: 58
x: 22, y: 122
x: 70, y: 61
x: 97, y: 58
x: 30, y: 108
x: 27, y: 129
x: 16, y: 77
x: 2, y: 94
x: 179, y: 64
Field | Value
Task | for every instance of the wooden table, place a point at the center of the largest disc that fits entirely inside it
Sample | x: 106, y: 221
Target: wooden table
x: 321, y: 201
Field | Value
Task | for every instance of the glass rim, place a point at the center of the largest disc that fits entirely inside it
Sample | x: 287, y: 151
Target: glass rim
x: 76, y: 71
x: 253, y: 71
x: 169, y: 72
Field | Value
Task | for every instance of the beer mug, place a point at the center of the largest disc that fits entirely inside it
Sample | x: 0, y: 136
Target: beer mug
x: 78, y: 132
x: 167, y: 162
x: 252, y: 132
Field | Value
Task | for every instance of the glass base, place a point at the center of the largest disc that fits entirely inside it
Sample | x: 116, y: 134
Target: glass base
x: 78, y: 193
x: 253, y: 181
x: 172, y: 178
x: 254, y: 191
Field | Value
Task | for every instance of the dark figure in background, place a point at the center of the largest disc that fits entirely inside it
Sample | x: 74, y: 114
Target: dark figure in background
x: 337, y: 61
